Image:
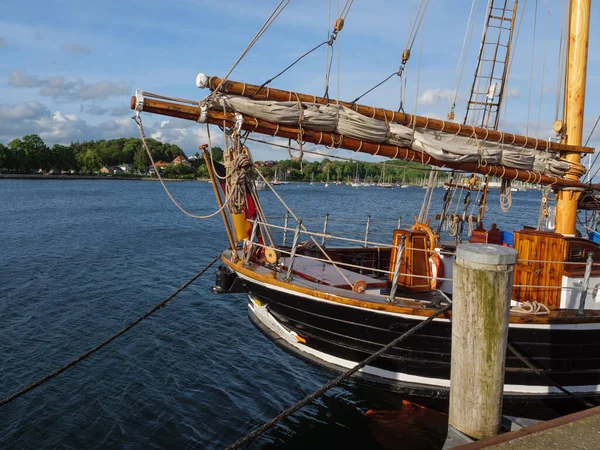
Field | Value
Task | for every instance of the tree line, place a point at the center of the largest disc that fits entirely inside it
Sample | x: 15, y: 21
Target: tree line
x: 393, y: 171
x: 30, y: 154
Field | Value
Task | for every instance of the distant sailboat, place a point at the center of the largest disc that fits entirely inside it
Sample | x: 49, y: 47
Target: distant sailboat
x: 404, y: 185
x: 382, y: 182
x: 356, y: 182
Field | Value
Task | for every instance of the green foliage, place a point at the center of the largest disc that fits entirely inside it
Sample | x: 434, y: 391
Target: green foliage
x: 346, y: 171
x: 30, y: 154
x: 217, y: 154
x: 88, y: 161
x: 178, y: 171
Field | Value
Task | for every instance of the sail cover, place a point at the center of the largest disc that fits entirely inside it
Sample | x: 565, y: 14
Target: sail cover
x: 437, y: 144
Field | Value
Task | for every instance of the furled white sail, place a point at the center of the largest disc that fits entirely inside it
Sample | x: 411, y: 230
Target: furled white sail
x: 437, y: 144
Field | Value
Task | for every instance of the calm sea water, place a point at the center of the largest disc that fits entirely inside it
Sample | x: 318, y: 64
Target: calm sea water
x: 81, y: 259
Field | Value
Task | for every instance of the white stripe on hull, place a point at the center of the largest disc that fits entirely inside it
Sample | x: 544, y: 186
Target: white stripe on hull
x: 263, y: 315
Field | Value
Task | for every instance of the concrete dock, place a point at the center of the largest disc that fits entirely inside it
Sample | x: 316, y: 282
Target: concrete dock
x: 579, y: 431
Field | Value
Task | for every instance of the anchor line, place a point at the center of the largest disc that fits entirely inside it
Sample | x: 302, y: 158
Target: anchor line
x: 107, y: 341
x: 550, y: 381
x: 292, y: 409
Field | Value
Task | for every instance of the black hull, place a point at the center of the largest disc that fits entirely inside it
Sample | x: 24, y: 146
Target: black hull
x: 570, y: 357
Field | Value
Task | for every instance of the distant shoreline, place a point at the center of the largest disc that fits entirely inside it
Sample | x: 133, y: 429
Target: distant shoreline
x: 28, y: 176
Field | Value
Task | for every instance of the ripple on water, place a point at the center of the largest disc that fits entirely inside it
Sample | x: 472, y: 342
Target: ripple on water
x: 81, y: 259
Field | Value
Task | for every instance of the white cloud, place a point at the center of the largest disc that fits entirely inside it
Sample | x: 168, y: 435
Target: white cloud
x: 432, y: 97
x: 58, y: 127
x: 76, y: 48
x: 23, y: 111
x: 187, y: 135
x: 58, y: 87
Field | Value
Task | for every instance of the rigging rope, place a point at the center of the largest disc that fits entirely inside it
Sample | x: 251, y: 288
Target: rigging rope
x: 561, y: 62
x: 505, y: 195
x: 532, y: 66
x: 328, y: 155
x: 406, y: 53
x: 138, y: 121
x: 537, y: 130
x: 105, y: 342
x: 463, y: 52
x: 278, y: 9
x: 595, y: 157
x: 305, y: 401
x: 510, y: 63
x: 321, y: 249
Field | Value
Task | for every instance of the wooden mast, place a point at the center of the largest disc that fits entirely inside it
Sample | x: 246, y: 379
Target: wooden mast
x: 579, y: 24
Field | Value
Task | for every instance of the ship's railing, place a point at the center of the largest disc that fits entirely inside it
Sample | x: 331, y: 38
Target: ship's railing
x: 584, y: 289
x: 367, y: 231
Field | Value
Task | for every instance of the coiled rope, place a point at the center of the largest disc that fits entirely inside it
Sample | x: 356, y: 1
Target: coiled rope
x: 236, y: 165
x: 270, y: 424
x: 102, y: 344
x: 505, y: 195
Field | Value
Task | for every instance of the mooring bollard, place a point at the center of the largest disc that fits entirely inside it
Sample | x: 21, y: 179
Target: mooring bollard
x: 483, y: 279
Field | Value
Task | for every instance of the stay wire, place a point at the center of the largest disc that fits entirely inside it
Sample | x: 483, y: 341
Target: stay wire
x: 102, y: 344
x: 288, y: 67
x: 595, y: 157
x: 278, y: 9
x: 409, y: 45
x: 292, y: 409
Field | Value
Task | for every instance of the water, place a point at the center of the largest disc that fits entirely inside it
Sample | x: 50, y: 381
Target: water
x: 81, y: 259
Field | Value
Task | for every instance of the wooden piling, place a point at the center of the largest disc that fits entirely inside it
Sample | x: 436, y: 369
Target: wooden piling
x: 483, y: 278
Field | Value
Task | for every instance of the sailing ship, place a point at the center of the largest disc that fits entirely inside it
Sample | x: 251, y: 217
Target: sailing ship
x: 335, y: 305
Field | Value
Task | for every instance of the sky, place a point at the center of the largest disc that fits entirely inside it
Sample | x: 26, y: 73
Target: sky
x: 68, y: 68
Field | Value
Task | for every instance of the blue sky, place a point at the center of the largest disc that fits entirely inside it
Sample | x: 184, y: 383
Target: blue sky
x: 68, y: 68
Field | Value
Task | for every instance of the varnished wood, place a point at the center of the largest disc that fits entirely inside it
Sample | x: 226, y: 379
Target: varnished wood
x: 579, y: 24
x: 266, y: 93
x: 218, y: 117
x: 218, y: 195
x: 415, y: 261
x: 535, y: 246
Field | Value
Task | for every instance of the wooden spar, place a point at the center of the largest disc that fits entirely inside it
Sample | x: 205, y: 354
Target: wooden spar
x: 218, y: 117
x: 579, y: 25
x: 266, y: 93
x: 214, y: 182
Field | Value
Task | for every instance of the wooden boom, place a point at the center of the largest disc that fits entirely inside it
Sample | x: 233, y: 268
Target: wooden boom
x: 266, y: 93
x: 218, y: 117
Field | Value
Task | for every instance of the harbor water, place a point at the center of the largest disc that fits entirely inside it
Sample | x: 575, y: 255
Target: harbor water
x: 80, y: 259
